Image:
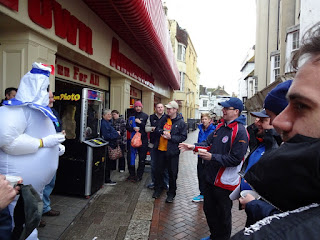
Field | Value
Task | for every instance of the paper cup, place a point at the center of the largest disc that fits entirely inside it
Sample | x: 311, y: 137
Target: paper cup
x: 13, y: 180
x: 202, y: 150
x: 148, y: 129
x: 253, y: 193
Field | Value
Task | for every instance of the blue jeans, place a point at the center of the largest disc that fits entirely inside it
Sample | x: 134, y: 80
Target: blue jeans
x: 153, y: 167
x: 5, y: 224
x: 46, y: 195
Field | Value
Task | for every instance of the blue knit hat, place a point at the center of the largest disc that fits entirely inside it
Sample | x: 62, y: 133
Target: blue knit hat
x: 276, y: 99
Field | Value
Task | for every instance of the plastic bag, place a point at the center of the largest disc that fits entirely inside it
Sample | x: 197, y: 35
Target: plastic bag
x: 136, y: 140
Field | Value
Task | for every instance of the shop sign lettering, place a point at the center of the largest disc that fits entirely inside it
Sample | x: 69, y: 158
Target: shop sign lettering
x: 66, y: 26
x: 67, y: 97
x: 11, y: 4
x: 125, y: 65
x: 78, y: 75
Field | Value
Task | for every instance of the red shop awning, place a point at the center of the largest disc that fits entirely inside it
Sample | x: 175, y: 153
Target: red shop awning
x: 142, y: 25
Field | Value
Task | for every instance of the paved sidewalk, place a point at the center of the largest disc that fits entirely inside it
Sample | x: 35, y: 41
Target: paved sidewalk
x: 128, y: 211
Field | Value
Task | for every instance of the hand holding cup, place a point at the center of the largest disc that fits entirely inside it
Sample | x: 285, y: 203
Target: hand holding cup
x: 204, y: 154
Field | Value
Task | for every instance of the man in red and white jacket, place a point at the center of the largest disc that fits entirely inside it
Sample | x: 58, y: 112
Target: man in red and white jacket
x: 224, y: 151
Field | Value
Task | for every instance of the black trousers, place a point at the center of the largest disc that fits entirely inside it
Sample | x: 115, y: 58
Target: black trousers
x: 165, y: 160
x: 107, y: 169
x: 217, y: 208
x: 201, y: 175
x: 142, y: 152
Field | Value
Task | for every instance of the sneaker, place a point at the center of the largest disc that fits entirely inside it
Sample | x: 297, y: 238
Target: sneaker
x: 198, y: 198
x: 111, y: 183
x: 151, y: 186
x: 122, y: 171
x: 169, y: 199
x: 156, y: 194
x: 206, y: 238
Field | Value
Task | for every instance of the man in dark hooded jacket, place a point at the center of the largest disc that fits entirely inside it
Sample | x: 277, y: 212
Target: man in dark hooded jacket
x: 170, y: 131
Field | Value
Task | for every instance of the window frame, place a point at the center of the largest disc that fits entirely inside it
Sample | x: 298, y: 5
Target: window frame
x: 205, y: 103
x: 182, y: 78
x: 181, y: 55
x: 295, y: 40
x: 276, y: 66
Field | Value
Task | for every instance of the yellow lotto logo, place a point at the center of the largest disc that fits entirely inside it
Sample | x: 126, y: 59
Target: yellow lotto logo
x: 67, y: 97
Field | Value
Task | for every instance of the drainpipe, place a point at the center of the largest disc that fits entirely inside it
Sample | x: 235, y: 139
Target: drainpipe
x: 268, y: 43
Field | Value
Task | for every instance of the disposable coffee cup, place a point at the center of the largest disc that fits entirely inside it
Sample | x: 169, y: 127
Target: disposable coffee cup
x: 202, y: 150
x: 13, y: 180
x: 253, y: 193
x: 148, y: 129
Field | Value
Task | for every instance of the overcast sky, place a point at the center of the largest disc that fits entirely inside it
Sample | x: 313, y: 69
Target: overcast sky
x: 222, y: 32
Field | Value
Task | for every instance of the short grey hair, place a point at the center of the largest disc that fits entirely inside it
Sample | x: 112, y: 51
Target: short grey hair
x: 106, y: 111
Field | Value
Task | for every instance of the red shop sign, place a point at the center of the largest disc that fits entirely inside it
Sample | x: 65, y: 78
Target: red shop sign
x: 66, y: 26
x: 125, y: 65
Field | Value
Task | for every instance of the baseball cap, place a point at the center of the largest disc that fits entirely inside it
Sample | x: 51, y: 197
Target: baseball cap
x: 172, y: 104
x: 261, y: 114
x: 233, y: 102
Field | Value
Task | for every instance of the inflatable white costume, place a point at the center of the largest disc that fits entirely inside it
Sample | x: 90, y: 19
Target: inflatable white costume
x: 29, y: 145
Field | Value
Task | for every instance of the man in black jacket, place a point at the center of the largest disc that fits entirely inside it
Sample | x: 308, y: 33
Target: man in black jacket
x: 225, y: 150
x: 171, y: 131
x: 141, y: 119
x: 154, y: 121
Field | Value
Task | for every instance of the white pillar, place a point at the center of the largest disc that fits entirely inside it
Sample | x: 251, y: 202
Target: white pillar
x: 148, y: 102
x: 120, y: 94
x: 18, y: 50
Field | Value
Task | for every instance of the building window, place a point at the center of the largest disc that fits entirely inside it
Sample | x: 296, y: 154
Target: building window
x: 181, y: 52
x: 181, y: 81
x: 205, y: 103
x: 276, y: 67
x: 244, y: 99
x: 255, y: 85
x: 295, y: 40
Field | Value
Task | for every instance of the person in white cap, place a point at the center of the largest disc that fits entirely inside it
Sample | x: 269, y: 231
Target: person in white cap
x: 170, y: 131
x: 29, y: 144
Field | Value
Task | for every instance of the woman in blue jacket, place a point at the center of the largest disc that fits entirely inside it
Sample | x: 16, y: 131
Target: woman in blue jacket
x: 205, y: 128
x: 109, y: 134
